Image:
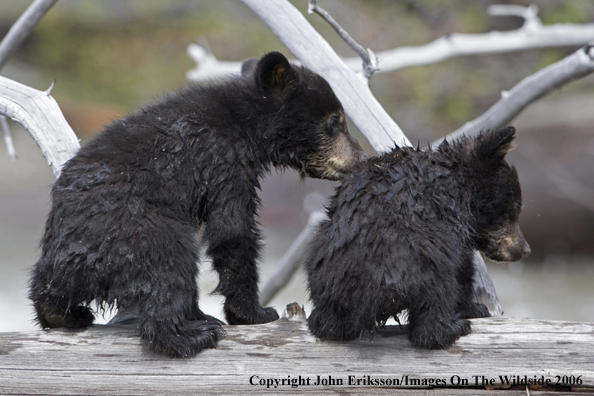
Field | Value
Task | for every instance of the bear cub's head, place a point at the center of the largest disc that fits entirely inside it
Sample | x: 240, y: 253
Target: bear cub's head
x: 499, y: 197
x: 304, y: 119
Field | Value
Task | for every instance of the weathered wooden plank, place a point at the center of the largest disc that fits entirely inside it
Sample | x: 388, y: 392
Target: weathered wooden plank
x: 110, y: 360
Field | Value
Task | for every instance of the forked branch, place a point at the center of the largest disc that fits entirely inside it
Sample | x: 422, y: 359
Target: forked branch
x: 532, y: 34
x: 368, y: 58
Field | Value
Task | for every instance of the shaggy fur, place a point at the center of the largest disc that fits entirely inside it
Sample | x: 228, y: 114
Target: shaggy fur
x: 126, y: 208
x: 401, y: 232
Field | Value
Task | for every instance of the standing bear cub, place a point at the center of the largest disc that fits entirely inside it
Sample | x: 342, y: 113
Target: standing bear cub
x: 125, y: 210
x: 401, y: 233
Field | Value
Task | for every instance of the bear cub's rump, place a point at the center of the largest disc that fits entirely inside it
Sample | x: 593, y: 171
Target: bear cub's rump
x: 401, y: 233
x: 125, y: 210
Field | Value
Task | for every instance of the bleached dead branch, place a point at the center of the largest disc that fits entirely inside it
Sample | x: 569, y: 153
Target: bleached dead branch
x: 39, y: 113
x: 207, y: 65
x: 532, y: 34
x: 530, y: 89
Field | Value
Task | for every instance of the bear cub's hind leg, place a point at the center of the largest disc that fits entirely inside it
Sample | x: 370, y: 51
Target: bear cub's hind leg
x: 52, y: 309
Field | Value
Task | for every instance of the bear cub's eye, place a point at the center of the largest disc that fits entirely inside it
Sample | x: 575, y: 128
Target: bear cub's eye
x: 334, y: 125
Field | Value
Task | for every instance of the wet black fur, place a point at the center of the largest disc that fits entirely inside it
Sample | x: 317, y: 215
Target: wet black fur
x: 401, y: 232
x: 126, y: 208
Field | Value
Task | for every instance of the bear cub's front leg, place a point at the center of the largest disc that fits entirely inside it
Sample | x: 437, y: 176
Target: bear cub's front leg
x: 235, y: 262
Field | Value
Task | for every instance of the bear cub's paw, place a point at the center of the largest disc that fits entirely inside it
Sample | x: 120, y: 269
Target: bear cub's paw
x: 186, y: 341
x: 254, y: 315
x: 439, y: 335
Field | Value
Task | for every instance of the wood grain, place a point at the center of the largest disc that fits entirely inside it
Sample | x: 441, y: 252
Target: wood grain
x: 110, y: 360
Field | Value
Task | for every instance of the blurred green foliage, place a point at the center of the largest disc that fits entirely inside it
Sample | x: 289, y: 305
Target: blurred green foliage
x: 565, y: 11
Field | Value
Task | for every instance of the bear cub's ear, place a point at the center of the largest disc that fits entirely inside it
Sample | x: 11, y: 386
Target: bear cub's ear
x: 495, y: 144
x: 274, y: 75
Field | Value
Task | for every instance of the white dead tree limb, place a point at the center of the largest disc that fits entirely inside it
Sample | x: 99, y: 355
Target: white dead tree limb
x: 532, y: 34
x: 40, y: 115
x: 15, y: 36
x: 530, y: 89
x: 208, y: 66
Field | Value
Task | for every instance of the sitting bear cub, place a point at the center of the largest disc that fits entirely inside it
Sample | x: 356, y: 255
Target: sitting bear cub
x: 126, y: 208
x: 401, y: 232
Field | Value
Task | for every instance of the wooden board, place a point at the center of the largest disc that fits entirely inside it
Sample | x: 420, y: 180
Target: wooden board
x: 109, y: 360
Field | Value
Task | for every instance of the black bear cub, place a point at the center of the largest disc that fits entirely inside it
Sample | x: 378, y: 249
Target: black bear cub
x: 125, y: 210
x: 401, y: 232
